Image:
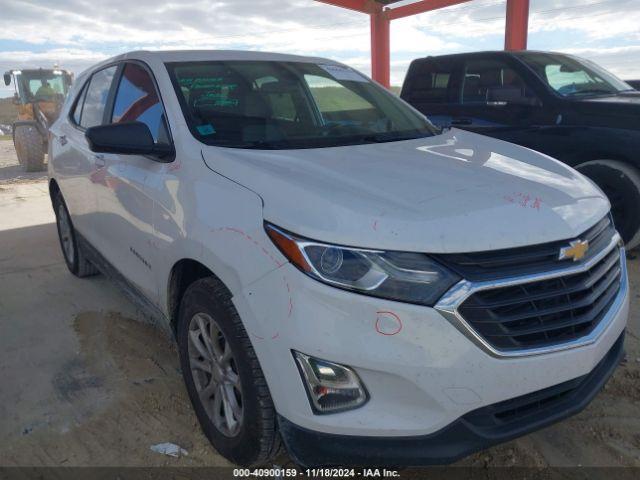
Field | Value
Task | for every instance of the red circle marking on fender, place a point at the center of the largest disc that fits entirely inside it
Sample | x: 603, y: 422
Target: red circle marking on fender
x: 388, y: 317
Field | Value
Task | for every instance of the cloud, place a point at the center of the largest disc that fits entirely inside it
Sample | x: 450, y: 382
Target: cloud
x: 61, y: 55
x: 594, y: 19
x: 78, y: 33
x: 622, y: 61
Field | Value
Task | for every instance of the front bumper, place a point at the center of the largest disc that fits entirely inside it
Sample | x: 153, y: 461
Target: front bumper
x: 421, y: 372
x: 474, y: 431
x: 426, y: 379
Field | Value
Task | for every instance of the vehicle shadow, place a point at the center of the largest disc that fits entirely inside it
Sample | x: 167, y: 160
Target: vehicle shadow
x: 85, y: 381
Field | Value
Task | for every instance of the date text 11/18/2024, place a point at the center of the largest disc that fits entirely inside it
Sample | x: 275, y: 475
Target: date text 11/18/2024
x: 315, y: 473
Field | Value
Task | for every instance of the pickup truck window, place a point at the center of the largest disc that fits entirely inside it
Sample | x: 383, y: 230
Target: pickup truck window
x: 289, y: 105
x: 430, y: 82
x: 573, y: 77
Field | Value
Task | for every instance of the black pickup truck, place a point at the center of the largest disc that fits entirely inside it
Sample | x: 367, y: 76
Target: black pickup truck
x: 561, y: 105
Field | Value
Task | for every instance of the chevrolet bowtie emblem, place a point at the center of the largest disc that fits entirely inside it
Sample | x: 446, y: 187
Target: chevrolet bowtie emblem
x: 575, y: 251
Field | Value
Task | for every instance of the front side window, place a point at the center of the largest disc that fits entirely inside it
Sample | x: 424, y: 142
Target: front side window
x: 281, y: 105
x: 573, y: 77
x: 96, y: 98
x: 490, y: 81
x: 137, y: 100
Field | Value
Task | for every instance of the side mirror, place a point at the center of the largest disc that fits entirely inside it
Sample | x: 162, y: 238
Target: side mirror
x: 131, y: 138
x: 7, y: 79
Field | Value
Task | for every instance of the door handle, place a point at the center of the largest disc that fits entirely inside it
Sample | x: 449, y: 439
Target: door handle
x: 63, y: 140
x: 461, y: 121
x: 99, y: 160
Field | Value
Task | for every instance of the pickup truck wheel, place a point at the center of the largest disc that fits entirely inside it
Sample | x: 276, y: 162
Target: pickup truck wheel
x: 621, y: 183
x: 223, y: 377
x: 74, y: 255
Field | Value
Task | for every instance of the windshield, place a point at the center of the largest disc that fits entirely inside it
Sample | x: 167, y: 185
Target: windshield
x: 283, y: 105
x: 42, y: 85
x: 572, y: 77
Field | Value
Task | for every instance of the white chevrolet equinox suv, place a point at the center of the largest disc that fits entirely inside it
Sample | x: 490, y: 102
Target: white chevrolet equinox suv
x: 344, y: 280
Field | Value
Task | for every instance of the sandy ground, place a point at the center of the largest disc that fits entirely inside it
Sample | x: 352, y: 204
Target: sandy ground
x: 85, y: 382
x: 11, y: 171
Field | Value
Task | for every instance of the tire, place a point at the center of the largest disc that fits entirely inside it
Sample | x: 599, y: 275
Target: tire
x: 254, y: 441
x: 74, y: 255
x: 621, y: 183
x: 30, y: 147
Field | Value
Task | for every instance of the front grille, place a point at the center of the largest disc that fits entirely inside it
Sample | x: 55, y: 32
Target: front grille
x: 491, y: 265
x: 545, y: 312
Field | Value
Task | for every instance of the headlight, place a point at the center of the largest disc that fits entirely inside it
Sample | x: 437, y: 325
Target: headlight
x: 401, y: 276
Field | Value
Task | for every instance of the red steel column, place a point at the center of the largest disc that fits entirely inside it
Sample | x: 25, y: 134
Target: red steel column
x: 517, y: 26
x: 380, y: 47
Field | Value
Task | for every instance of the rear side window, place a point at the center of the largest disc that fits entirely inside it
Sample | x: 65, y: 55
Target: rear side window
x: 430, y: 82
x: 137, y: 100
x: 96, y: 97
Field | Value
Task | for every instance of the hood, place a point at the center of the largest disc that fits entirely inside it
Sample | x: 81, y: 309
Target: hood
x: 624, y: 107
x: 454, y: 192
x: 630, y: 99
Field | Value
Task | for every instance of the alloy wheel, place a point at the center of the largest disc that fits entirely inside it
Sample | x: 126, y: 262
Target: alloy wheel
x: 215, y: 374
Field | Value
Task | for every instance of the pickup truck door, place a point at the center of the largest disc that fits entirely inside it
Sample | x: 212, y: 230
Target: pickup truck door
x: 496, y: 101
x: 126, y: 204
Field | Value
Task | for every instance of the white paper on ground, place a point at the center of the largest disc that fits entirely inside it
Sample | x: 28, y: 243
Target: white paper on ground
x: 170, y: 449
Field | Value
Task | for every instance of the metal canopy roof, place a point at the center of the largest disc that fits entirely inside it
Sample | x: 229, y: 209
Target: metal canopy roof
x: 381, y: 14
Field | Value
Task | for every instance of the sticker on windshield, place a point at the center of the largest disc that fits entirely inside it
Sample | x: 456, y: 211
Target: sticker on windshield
x: 206, y: 129
x: 343, y: 73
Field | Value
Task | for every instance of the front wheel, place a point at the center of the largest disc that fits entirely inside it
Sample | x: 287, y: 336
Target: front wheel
x: 223, y: 377
x: 621, y: 183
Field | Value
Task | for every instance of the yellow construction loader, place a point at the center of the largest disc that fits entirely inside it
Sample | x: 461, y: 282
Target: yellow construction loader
x: 39, y: 94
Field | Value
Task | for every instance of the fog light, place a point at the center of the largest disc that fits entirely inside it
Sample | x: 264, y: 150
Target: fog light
x: 331, y: 387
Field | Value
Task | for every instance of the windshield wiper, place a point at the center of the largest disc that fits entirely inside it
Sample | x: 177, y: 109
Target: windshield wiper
x: 394, y: 137
x: 326, y: 142
x: 266, y: 144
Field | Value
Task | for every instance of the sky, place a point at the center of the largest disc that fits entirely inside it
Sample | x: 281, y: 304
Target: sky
x: 78, y: 33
